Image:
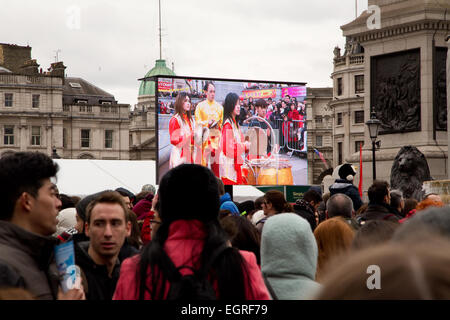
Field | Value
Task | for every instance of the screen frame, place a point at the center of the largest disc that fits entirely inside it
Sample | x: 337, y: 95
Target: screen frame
x: 155, y: 78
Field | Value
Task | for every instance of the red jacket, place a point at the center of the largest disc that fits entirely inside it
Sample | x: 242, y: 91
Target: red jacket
x: 185, y: 241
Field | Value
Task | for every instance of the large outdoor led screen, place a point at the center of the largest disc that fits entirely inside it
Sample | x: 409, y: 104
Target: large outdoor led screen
x: 247, y: 133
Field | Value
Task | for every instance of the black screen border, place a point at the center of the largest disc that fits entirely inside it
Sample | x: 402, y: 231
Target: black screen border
x: 156, y: 78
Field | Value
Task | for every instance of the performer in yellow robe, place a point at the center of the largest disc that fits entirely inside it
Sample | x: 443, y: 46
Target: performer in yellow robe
x: 209, y: 115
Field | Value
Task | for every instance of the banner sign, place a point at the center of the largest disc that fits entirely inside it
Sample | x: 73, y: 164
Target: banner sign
x: 259, y: 94
x: 299, y: 91
x: 291, y: 193
x: 164, y: 85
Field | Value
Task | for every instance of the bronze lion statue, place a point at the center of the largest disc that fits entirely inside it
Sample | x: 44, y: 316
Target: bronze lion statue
x: 409, y: 171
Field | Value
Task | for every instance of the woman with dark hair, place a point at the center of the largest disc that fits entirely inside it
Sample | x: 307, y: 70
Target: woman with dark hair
x: 233, y: 146
x: 242, y: 234
x: 191, y: 240
x: 181, y: 130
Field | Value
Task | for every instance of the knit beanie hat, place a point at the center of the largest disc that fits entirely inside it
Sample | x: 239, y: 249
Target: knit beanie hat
x: 346, y: 172
x: 149, y: 187
x: 66, y: 220
x: 82, y: 205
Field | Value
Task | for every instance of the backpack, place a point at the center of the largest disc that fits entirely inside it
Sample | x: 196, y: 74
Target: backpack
x: 195, y: 286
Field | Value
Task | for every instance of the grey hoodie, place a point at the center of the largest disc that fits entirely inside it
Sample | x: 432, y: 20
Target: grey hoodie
x: 289, y: 257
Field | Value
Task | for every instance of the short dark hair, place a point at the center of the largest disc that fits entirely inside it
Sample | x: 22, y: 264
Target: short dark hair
x: 221, y: 186
x: 112, y: 197
x: 261, y: 103
x: 377, y: 191
x: 67, y: 202
x: 396, y: 198
x: 205, y: 88
x: 22, y: 172
x: 312, y: 195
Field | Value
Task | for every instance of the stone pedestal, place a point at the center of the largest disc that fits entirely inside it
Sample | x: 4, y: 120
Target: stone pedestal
x: 448, y: 95
x: 405, y: 25
x: 440, y: 187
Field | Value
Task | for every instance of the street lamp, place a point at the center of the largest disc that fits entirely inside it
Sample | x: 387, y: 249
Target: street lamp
x: 374, y: 125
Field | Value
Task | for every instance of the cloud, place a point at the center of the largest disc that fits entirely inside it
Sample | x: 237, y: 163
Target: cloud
x: 117, y: 42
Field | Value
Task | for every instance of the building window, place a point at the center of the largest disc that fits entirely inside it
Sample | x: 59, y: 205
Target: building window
x: 35, y: 136
x: 85, y: 108
x: 318, y: 119
x: 339, y: 87
x: 8, y: 99
x: 339, y: 152
x: 359, y: 116
x: 81, y: 101
x: 357, y: 144
x: 318, y: 141
x: 35, y: 101
x: 85, y: 138
x: 64, y: 138
x: 359, y: 84
x: 8, y: 137
x: 339, y: 119
x: 108, y: 139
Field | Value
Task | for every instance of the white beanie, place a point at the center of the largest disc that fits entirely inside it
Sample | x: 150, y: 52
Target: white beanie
x: 258, y: 215
x: 66, y: 220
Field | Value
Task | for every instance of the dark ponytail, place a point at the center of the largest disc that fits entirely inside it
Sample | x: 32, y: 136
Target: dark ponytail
x: 196, y: 191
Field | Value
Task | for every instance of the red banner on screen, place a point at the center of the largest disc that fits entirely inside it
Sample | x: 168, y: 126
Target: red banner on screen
x: 299, y: 91
x: 164, y: 85
x: 259, y: 94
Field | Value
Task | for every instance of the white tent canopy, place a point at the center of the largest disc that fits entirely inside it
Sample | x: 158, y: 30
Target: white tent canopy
x: 83, y: 177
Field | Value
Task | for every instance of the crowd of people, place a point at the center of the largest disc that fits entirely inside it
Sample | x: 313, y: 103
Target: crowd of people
x: 189, y: 240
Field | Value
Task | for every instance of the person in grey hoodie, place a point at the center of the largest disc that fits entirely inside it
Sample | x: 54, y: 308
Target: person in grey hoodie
x: 289, y: 257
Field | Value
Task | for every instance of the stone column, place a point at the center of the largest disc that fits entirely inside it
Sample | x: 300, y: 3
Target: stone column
x: 448, y: 98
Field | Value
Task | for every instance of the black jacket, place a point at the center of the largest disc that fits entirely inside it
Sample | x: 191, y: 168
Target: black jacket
x: 305, y: 210
x: 27, y: 261
x: 99, y: 285
x: 378, y: 212
x: 347, y: 188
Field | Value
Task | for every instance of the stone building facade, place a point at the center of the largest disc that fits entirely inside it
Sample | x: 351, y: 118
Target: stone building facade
x: 320, y: 132
x: 401, y: 61
x: 64, y: 117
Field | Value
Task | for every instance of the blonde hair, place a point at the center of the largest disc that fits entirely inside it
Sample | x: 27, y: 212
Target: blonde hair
x: 334, y: 237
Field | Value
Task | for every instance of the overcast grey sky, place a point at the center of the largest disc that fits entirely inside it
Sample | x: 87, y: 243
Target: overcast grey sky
x: 112, y: 43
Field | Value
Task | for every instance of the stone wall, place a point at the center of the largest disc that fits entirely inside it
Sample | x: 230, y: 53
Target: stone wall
x: 13, y: 57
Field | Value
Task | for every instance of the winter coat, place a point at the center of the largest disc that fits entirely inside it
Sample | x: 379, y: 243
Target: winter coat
x: 306, y: 211
x: 99, y: 285
x: 183, y: 245
x: 28, y: 259
x: 289, y: 257
x: 378, y: 212
x: 347, y: 188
